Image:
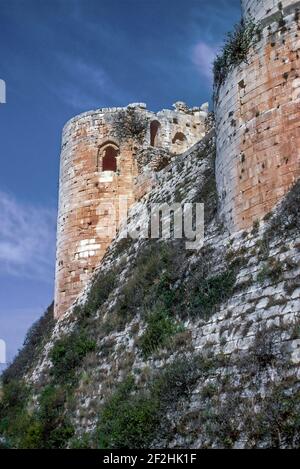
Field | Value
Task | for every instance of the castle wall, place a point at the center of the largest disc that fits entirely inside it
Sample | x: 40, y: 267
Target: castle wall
x: 88, y: 202
x: 89, y: 196
x: 182, y: 121
x: 258, y: 122
x: 260, y: 9
x: 249, y: 344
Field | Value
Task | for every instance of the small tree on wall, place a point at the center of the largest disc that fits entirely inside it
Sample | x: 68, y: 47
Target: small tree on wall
x: 130, y: 123
x: 235, y: 49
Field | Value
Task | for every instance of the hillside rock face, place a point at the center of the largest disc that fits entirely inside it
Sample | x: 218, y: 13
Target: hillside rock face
x: 168, y: 347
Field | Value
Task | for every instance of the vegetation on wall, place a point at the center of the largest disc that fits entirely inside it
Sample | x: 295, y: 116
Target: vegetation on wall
x: 102, y: 286
x: 46, y: 425
x: 209, y: 292
x: 285, y: 220
x: 235, y: 50
x: 25, y: 426
x: 68, y: 352
x: 161, y: 293
x: 272, y: 270
x: 160, y: 327
x: 37, y: 335
x: 133, y: 418
x: 136, y: 416
x: 130, y: 123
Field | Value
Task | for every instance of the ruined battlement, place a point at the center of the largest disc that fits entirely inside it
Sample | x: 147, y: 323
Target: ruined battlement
x: 113, y: 153
x: 257, y: 118
x: 260, y: 9
x: 103, y: 156
x: 177, y: 129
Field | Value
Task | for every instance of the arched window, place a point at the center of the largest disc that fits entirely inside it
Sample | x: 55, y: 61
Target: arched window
x: 154, y: 130
x: 107, y: 157
x: 179, y: 137
x: 109, y: 161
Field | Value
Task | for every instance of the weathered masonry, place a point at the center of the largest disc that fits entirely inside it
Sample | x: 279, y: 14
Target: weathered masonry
x: 103, y: 156
x: 258, y: 117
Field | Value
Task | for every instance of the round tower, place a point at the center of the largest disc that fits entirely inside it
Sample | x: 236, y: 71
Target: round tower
x: 99, y: 167
x: 261, y: 9
x: 258, y: 117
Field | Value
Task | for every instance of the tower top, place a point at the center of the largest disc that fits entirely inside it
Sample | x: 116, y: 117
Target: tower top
x: 260, y: 9
x: 178, y: 107
x: 108, y: 155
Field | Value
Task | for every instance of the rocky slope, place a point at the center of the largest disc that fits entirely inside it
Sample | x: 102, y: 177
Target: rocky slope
x: 169, y: 347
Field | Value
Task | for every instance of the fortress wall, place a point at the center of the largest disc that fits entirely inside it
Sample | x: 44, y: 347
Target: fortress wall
x: 89, y: 197
x: 178, y: 122
x: 88, y: 203
x: 260, y: 9
x: 258, y: 125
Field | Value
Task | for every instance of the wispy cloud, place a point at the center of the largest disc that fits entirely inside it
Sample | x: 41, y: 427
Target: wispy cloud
x: 27, y: 239
x: 203, y: 56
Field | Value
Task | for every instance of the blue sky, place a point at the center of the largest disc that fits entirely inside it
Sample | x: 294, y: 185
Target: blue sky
x: 62, y: 57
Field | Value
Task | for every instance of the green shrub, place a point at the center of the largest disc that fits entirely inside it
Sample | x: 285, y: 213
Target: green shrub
x: 264, y: 347
x: 14, y: 394
x: 49, y: 427
x: 209, y: 391
x: 35, y: 338
x: 44, y: 427
x: 140, y: 288
x: 32, y: 437
x: 128, y: 421
x: 235, y: 50
x: 67, y: 354
x: 134, y: 425
x: 82, y: 442
x: 208, y: 293
x: 272, y: 270
x: 160, y: 327
x: 163, y: 291
x: 279, y: 417
x: 101, y: 288
x: 13, y: 415
x: 130, y: 123
x: 177, y: 380
x: 133, y: 418
x: 255, y: 227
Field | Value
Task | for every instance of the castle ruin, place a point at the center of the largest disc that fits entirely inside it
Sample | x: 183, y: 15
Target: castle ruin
x: 104, y: 152
x: 257, y: 118
x: 103, y: 156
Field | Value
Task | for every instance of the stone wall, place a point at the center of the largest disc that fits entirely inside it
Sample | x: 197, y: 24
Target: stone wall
x: 247, y: 346
x: 90, y: 193
x: 257, y: 120
x: 260, y: 9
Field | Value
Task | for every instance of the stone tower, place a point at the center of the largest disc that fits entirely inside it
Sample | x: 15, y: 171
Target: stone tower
x: 102, y: 159
x: 258, y: 117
